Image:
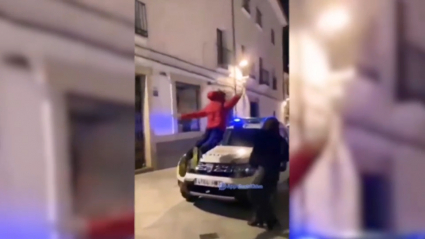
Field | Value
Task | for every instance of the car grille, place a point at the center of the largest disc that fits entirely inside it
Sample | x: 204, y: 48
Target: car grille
x: 212, y: 191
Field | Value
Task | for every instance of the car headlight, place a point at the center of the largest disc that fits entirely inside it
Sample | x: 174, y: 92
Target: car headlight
x: 183, y: 166
x: 244, y: 170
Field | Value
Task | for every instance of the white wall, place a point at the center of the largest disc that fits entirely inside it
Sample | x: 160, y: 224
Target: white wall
x: 188, y: 32
x: 187, y: 28
x: 258, y: 42
x: 24, y: 166
x: 97, y: 82
x: 162, y: 109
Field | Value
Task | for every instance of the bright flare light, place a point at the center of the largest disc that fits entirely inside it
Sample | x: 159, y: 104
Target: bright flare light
x: 315, y: 65
x: 241, y: 152
x: 333, y: 20
x: 243, y: 63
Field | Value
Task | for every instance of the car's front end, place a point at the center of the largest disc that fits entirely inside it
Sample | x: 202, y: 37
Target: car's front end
x: 220, y: 175
x: 224, y: 172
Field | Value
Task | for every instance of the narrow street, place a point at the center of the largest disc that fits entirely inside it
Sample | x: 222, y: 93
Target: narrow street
x: 162, y: 213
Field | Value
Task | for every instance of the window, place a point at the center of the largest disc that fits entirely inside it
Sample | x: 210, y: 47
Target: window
x: 264, y: 77
x: 187, y: 102
x: 411, y: 58
x: 141, y: 24
x: 259, y: 18
x: 254, y: 109
x: 274, y: 81
x: 272, y: 36
x: 264, y: 74
x: 222, y: 53
x: 245, y: 5
x: 243, y: 49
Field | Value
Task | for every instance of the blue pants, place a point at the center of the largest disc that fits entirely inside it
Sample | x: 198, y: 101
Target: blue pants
x: 210, y: 139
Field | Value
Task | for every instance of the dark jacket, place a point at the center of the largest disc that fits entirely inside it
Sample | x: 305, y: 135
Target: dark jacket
x: 216, y: 111
x: 271, y: 153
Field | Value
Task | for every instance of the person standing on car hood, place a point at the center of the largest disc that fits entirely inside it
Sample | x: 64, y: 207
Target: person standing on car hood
x: 217, y: 112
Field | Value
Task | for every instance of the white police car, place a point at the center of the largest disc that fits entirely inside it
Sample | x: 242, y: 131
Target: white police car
x: 227, y: 164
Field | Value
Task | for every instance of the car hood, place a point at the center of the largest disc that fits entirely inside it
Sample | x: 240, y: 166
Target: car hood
x: 227, y: 154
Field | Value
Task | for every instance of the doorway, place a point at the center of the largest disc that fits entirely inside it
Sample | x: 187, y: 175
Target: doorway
x: 101, y: 151
x: 140, y: 160
x: 254, y: 109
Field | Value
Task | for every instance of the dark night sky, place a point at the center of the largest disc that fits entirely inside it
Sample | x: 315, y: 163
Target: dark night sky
x: 285, y: 5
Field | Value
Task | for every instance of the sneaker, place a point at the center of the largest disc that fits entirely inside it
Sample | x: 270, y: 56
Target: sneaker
x: 195, y: 158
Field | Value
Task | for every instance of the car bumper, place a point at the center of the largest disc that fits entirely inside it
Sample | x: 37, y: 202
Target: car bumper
x: 188, y: 184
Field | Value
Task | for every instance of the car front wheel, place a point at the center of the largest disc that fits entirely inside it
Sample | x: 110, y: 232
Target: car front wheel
x: 242, y: 198
x: 185, y: 193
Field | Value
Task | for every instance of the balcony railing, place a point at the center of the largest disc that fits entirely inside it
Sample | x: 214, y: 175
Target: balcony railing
x: 264, y: 77
x: 223, y: 57
x: 141, y: 22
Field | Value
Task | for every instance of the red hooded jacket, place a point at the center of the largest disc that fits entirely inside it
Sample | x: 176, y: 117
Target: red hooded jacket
x: 216, y: 111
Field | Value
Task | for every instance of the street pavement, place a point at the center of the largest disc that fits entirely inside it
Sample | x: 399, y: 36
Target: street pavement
x: 162, y: 213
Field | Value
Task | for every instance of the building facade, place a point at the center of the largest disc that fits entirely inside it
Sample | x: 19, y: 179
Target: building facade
x: 185, y: 48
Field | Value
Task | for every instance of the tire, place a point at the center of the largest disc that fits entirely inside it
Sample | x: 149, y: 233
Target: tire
x: 188, y: 197
x: 243, y: 199
x: 185, y: 194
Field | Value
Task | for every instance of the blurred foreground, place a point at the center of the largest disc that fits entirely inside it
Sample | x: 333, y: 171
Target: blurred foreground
x: 357, y: 84
x: 66, y: 117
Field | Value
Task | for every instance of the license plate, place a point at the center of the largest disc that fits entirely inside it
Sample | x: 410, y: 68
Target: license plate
x: 207, y: 183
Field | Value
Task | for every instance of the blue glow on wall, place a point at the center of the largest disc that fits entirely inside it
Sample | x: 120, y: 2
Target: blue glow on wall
x: 161, y: 123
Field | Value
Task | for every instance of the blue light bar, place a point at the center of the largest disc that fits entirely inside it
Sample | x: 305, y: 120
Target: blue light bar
x: 237, y: 120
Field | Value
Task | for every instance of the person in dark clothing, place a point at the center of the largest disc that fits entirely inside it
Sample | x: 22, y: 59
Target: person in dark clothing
x: 269, y: 155
x: 217, y: 112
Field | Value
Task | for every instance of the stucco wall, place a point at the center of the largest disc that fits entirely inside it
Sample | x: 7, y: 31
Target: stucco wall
x: 187, y: 28
x: 188, y: 32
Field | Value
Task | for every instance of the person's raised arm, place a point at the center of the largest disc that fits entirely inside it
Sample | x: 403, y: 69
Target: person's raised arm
x: 232, y: 102
x: 194, y: 115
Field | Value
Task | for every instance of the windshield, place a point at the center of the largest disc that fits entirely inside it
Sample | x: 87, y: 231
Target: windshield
x: 240, y: 137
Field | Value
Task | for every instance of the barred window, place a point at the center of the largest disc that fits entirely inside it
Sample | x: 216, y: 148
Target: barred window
x: 141, y: 22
